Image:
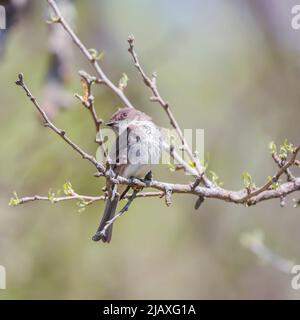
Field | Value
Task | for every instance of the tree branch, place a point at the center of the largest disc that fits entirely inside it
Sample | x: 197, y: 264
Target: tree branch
x: 90, y: 199
x: 255, y: 242
x: 151, y: 84
x: 47, y: 123
x: 102, y: 233
x: 275, y: 178
x: 88, y: 101
x: 103, y: 77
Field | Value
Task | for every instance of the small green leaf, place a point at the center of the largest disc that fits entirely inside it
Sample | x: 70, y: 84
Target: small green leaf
x: 68, y: 189
x: 215, y: 178
x: 53, y: 19
x: 205, y: 162
x: 96, y: 55
x: 275, y: 184
x: 51, y: 196
x: 123, y: 81
x: 272, y: 147
x: 14, y: 201
x: 82, y: 205
x: 247, y: 180
x: 285, y: 149
x: 192, y: 164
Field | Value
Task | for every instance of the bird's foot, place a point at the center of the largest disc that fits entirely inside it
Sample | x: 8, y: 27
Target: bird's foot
x: 147, y: 180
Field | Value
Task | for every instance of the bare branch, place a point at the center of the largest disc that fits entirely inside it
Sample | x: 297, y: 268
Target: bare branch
x: 103, y: 78
x: 102, y: 233
x: 151, y: 84
x: 20, y: 82
x: 255, y: 242
x: 178, y: 159
x: 88, y: 101
x: 89, y: 199
x: 216, y: 192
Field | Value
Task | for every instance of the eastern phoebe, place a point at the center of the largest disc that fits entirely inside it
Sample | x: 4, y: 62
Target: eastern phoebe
x: 136, y: 149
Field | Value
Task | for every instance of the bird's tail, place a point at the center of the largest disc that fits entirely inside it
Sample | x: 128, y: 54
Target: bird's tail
x: 109, y: 213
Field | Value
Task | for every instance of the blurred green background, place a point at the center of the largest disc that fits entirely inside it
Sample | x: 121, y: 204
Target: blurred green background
x: 229, y: 67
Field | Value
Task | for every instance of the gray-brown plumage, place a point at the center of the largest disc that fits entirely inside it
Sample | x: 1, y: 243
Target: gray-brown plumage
x: 136, y: 149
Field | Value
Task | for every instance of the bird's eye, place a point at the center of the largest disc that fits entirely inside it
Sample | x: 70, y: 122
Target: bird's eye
x: 124, y: 115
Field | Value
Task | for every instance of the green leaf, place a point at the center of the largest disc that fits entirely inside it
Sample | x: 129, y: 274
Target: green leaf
x: 82, y: 205
x: 285, y: 149
x: 68, y: 189
x: 51, y: 196
x: 275, y: 184
x: 272, y: 147
x: 192, y: 164
x: 205, y: 162
x: 123, y: 81
x: 53, y: 19
x: 215, y: 178
x: 96, y: 55
x: 247, y: 180
x: 14, y: 201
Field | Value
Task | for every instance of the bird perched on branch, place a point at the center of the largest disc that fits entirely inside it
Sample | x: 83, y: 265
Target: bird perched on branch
x: 136, y: 150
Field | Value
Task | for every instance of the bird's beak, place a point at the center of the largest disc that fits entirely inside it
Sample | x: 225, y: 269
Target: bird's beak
x: 110, y: 123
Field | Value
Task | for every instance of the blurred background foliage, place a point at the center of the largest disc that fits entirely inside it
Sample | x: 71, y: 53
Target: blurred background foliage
x: 229, y: 67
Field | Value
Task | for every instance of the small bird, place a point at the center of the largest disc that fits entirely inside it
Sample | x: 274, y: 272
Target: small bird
x: 136, y: 150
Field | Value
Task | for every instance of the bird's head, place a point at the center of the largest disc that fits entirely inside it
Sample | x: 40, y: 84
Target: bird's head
x: 121, y: 119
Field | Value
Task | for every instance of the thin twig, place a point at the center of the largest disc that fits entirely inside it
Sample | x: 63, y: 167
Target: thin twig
x: 151, y: 84
x: 280, y: 164
x: 47, y: 122
x: 88, y: 101
x: 275, y: 177
x: 178, y: 159
x: 90, y: 199
x: 103, y: 77
x: 102, y: 233
x: 255, y: 242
